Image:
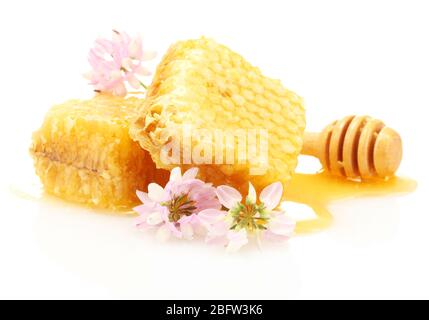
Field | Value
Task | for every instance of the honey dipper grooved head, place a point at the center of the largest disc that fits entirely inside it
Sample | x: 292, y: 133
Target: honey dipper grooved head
x: 356, y: 147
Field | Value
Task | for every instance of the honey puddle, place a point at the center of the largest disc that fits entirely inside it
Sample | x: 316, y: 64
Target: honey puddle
x: 319, y: 190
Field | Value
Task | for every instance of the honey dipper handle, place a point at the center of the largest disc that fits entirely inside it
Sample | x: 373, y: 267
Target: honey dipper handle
x: 311, y: 144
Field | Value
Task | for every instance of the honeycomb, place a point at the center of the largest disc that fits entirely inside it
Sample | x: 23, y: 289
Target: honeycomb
x: 83, y: 153
x: 201, y: 84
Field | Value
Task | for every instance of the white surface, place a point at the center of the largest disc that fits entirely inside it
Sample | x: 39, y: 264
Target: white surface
x: 343, y: 57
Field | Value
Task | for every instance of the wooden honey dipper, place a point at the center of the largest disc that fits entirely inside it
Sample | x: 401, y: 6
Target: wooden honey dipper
x: 356, y: 147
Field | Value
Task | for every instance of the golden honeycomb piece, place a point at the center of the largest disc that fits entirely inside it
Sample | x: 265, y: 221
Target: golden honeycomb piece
x: 201, y: 84
x: 83, y: 153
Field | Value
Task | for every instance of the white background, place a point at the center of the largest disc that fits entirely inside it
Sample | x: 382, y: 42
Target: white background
x: 343, y: 57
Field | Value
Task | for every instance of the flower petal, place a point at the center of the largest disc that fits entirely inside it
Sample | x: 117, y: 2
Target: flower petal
x: 115, y: 75
x: 127, y: 63
x: 154, y: 219
x: 143, y: 196
x: 271, y: 195
x: 187, y: 231
x: 120, y: 90
x: 252, y: 193
x: 143, y: 210
x: 268, y: 235
x: 199, y: 229
x: 163, y: 233
x: 133, y: 81
x: 280, y: 224
x: 143, y: 71
x: 190, y: 174
x: 157, y: 193
x: 217, y: 233
x: 237, y: 239
x: 135, y: 48
x: 220, y: 229
x: 211, y: 216
x: 141, y: 222
x: 173, y: 229
x: 228, y: 196
x: 176, y: 175
x: 186, y: 219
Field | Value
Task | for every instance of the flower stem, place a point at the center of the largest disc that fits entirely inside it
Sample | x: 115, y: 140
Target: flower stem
x: 143, y: 85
